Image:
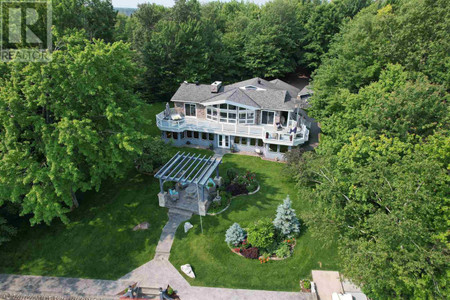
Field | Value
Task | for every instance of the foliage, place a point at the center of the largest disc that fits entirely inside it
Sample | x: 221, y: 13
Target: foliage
x: 96, y: 17
x: 70, y: 131
x: 231, y: 41
x: 379, y: 178
x: 306, y: 284
x: 155, y: 153
x: 283, y: 251
x: 261, y: 234
x: 234, y: 235
x: 170, y: 291
x: 6, y: 231
x: 286, y: 220
x: 237, y: 189
x: 232, y: 174
x: 252, y: 253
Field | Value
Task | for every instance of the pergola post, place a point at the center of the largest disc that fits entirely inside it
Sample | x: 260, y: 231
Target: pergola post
x: 161, y: 186
x: 217, y: 172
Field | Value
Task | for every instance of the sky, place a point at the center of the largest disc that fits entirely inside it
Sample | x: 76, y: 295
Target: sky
x: 134, y: 3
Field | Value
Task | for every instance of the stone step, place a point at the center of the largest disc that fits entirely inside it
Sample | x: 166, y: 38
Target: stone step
x: 179, y: 211
x: 150, y: 291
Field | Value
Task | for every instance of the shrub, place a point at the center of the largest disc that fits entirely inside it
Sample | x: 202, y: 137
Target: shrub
x: 283, y: 251
x: 245, y: 244
x: 234, y: 235
x: 232, y: 174
x: 252, y: 253
x: 237, y: 189
x: 307, y: 284
x: 155, y: 153
x: 252, y: 187
x: 286, y: 221
x: 261, y: 234
x: 242, y: 180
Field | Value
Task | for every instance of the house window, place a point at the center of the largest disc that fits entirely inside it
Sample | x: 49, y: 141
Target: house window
x: 273, y: 147
x: 175, y: 135
x: 211, y: 136
x: 189, y: 134
x: 227, y: 113
x: 244, y: 141
x: 237, y: 140
x: 204, y: 136
x: 267, y: 117
x: 260, y: 143
x: 169, y: 134
x: 195, y: 134
x: 284, y: 149
x: 252, y: 142
x: 189, y: 110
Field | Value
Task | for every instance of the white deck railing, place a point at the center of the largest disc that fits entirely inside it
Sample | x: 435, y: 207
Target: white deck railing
x: 268, y: 133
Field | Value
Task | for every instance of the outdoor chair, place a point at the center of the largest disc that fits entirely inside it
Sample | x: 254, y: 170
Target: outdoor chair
x: 212, y: 188
x: 174, y: 195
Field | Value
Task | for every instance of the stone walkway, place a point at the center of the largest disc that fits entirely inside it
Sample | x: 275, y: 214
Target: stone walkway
x: 158, y: 272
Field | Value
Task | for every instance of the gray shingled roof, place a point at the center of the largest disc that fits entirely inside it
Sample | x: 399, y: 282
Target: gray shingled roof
x: 306, y: 91
x: 280, y: 84
x: 277, y: 94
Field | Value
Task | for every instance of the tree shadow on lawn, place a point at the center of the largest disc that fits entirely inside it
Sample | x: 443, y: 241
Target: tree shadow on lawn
x: 99, y: 241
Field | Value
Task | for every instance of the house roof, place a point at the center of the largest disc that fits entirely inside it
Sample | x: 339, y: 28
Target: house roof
x: 255, y: 92
x: 306, y: 91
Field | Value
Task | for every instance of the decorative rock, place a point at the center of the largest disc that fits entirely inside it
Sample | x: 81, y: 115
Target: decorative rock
x: 187, y: 269
x: 187, y: 226
x: 142, y: 226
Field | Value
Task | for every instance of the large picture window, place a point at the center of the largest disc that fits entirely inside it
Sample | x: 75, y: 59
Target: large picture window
x: 267, y: 117
x: 227, y: 113
x: 189, y: 110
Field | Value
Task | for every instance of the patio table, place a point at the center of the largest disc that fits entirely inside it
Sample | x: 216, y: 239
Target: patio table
x: 191, y: 190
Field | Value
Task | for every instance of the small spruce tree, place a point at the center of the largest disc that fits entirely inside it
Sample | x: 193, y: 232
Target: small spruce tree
x: 286, y: 221
x: 234, y: 235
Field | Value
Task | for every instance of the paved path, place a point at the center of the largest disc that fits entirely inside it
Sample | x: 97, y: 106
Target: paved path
x: 158, y: 272
x: 60, y: 285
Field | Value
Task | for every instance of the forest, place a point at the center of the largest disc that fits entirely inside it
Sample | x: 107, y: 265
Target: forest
x: 380, y: 71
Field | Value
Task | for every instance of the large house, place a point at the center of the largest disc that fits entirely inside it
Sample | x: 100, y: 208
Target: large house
x: 255, y: 115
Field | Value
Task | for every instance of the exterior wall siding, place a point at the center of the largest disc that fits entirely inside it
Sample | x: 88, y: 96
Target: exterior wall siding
x: 201, y: 111
x: 183, y: 140
x: 179, y: 107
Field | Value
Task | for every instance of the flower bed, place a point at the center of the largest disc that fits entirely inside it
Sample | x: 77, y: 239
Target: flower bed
x: 266, y: 239
x: 234, y: 185
x: 264, y: 257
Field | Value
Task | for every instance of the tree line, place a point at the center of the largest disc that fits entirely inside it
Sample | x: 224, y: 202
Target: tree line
x: 379, y: 179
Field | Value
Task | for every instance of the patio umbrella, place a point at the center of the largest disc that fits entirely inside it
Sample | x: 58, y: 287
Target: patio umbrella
x: 167, y: 111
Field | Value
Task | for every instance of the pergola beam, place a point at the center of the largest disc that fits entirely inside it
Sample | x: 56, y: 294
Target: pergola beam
x: 169, y: 164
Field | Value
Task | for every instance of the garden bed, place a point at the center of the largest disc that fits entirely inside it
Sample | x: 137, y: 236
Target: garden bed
x: 264, y: 259
x: 234, y: 185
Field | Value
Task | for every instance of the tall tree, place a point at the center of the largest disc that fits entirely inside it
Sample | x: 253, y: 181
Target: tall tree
x: 96, y: 17
x: 67, y: 125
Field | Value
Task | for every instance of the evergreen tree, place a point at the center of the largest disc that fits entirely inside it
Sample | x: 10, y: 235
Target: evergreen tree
x: 234, y: 235
x: 286, y: 221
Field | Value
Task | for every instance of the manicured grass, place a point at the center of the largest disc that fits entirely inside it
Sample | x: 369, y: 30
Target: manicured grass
x: 99, y: 241
x: 213, y: 262
x: 150, y: 111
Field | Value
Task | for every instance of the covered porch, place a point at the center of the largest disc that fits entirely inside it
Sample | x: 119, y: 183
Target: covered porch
x: 189, y: 182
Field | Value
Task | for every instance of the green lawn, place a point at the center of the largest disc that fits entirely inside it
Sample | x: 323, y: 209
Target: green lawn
x: 99, y: 241
x: 213, y: 262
